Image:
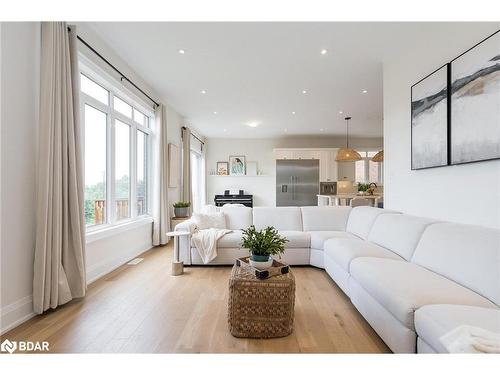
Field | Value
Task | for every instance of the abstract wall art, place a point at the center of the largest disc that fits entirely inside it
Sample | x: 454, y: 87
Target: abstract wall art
x: 429, y: 120
x: 475, y: 103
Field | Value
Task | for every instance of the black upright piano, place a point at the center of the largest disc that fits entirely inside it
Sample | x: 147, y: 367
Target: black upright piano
x: 244, y: 199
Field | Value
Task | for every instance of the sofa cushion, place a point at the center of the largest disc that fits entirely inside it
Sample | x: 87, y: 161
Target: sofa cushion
x: 402, y: 287
x: 207, y: 221
x: 237, y: 217
x: 361, y: 220
x: 467, y: 254
x: 282, y: 218
x: 326, y: 218
x: 434, y: 321
x: 399, y: 233
x: 318, y: 237
x: 231, y: 239
x: 296, y: 239
x: 344, y: 250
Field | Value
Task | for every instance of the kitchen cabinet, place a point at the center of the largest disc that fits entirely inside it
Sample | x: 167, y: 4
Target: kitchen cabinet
x: 346, y: 171
x: 326, y: 157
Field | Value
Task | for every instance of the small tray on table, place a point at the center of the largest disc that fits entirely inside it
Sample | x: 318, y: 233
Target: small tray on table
x: 276, y: 269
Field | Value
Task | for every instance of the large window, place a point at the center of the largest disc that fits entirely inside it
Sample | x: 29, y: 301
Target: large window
x: 366, y: 170
x: 117, y: 148
x: 197, y: 175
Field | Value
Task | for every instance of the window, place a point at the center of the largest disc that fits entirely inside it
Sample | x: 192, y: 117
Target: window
x: 117, y: 147
x: 92, y: 89
x: 366, y: 170
x: 122, y: 107
x: 95, y: 165
x: 197, y: 173
x: 122, y: 170
x: 142, y: 167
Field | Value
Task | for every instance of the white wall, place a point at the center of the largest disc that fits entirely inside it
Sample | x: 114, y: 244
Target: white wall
x: 464, y: 193
x: 263, y: 188
x: 19, y: 119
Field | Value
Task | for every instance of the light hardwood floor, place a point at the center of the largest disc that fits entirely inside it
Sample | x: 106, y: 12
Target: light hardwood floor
x: 142, y: 309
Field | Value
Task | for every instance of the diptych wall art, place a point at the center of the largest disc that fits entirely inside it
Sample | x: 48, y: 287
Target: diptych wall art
x: 455, y: 111
x: 429, y: 120
x: 475, y: 103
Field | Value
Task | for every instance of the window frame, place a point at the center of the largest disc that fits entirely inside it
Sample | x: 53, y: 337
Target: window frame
x: 366, y: 160
x: 101, y: 78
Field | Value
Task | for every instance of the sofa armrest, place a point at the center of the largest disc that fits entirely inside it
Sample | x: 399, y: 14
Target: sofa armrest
x: 187, y: 225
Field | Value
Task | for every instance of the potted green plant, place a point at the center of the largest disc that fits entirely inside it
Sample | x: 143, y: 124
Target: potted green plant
x: 181, y: 209
x: 362, y: 188
x: 262, y: 245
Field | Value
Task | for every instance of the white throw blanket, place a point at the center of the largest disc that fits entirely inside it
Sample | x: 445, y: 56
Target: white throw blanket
x: 470, y: 339
x: 205, y: 241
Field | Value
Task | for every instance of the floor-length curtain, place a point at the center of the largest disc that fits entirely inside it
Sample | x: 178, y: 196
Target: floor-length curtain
x: 161, y: 214
x: 186, y: 165
x: 59, y: 265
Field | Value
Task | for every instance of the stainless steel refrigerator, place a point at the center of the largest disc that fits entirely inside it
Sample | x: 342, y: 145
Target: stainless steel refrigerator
x: 297, y: 182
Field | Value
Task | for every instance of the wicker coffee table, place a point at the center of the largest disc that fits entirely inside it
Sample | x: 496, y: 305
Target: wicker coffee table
x: 260, y: 308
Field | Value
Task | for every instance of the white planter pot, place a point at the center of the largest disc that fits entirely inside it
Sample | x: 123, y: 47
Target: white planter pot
x: 261, y: 265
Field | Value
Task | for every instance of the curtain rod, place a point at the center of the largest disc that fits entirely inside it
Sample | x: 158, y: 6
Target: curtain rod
x: 123, y: 76
x: 193, y: 135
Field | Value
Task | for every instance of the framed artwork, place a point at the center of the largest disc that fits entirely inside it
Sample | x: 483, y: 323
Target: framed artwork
x: 475, y: 103
x: 251, y: 168
x: 222, y: 168
x: 429, y: 120
x: 174, y: 165
x: 237, y: 165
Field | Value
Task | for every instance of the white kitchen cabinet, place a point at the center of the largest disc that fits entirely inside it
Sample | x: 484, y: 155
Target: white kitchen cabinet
x: 303, y: 154
x: 282, y: 154
x: 331, y: 168
x: 346, y: 171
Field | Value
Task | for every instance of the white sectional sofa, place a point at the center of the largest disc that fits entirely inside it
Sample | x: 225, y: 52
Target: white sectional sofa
x: 413, y: 279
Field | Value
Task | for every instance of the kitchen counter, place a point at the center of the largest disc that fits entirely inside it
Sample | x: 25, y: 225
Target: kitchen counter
x: 338, y: 199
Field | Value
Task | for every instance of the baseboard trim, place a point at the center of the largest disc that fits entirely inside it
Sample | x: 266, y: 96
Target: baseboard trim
x: 16, y: 314
x: 101, y: 269
x: 21, y: 310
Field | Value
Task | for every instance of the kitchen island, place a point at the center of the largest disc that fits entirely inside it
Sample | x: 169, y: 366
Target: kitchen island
x: 345, y: 199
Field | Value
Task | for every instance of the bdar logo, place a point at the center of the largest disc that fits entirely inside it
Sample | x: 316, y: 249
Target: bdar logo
x: 8, y: 346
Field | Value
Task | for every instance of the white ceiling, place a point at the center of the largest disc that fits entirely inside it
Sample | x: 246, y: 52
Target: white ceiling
x: 256, y: 72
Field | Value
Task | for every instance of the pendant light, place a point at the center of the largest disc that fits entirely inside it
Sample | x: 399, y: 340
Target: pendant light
x: 379, y: 157
x: 347, y: 154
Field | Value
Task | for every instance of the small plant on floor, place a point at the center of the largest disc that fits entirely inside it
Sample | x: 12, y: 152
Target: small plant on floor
x: 181, y: 208
x: 262, y: 244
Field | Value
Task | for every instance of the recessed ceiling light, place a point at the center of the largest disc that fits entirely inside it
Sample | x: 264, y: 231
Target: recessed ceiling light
x: 293, y: 112
x: 203, y: 91
x: 286, y: 130
x: 364, y: 91
x: 215, y: 112
x: 182, y: 52
x: 324, y: 52
x: 304, y: 91
x: 253, y: 124
x: 224, y: 130
x: 321, y: 129
x: 340, y: 112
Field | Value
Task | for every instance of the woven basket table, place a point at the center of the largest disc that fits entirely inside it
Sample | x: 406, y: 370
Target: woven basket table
x: 260, y: 308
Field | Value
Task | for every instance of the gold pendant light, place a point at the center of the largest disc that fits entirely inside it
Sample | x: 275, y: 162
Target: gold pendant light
x: 347, y: 154
x: 379, y: 157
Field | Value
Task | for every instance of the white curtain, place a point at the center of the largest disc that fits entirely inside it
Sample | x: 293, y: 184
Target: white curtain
x: 161, y: 215
x: 59, y: 266
x: 186, y: 165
